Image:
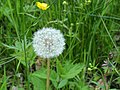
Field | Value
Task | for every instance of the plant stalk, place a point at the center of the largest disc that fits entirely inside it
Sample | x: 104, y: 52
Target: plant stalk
x: 48, y: 74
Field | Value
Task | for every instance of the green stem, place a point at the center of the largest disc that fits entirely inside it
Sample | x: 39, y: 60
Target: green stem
x: 109, y: 35
x: 48, y: 74
x: 103, y: 78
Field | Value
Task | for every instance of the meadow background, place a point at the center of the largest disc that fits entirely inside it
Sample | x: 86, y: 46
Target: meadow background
x: 91, y: 59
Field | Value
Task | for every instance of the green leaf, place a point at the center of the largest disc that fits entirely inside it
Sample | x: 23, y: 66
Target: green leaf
x: 53, y: 77
x: 38, y: 84
x: 71, y: 70
x: 81, y: 85
x: 62, y: 83
x: 60, y: 68
x: 20, y: 55
x: 42, y: 74
x: 21, y: 89
x: 10, y: 47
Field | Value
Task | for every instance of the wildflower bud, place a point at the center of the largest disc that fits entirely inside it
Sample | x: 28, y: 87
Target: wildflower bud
x: 77, y: 23
x: 89, y: 69
x: 95, y: 68
x: 90, y: 64
x: 65, y: 3
x: 71, y: 24
x: 87, y: 2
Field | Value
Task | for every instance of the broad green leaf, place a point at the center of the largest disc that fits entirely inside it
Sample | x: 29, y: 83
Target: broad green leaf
x: 53, y: 77
x: 62, y: 83
x: 60, y: 68
x: 38, y: 84
x: 71, y: 70
x: 42, y: 74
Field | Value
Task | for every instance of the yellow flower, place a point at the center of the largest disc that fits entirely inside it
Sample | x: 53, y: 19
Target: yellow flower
x: 42, y: 6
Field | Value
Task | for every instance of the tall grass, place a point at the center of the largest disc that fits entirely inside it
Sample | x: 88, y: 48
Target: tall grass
x: 90, y: 29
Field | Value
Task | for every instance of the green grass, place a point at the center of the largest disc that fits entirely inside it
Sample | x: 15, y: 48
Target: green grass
x: 92, y: 33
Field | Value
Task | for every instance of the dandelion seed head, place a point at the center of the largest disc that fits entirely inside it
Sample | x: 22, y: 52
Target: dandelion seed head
x: 48, y: 42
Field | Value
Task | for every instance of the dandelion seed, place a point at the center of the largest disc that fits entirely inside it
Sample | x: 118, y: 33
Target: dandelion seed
x: 42, y: 6
x: 48, y: 42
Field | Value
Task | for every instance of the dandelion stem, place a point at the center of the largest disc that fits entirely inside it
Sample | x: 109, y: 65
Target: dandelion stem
x: 48, y: 74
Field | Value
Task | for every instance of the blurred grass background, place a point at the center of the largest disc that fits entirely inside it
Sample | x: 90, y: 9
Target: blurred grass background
x: 91, y: 29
